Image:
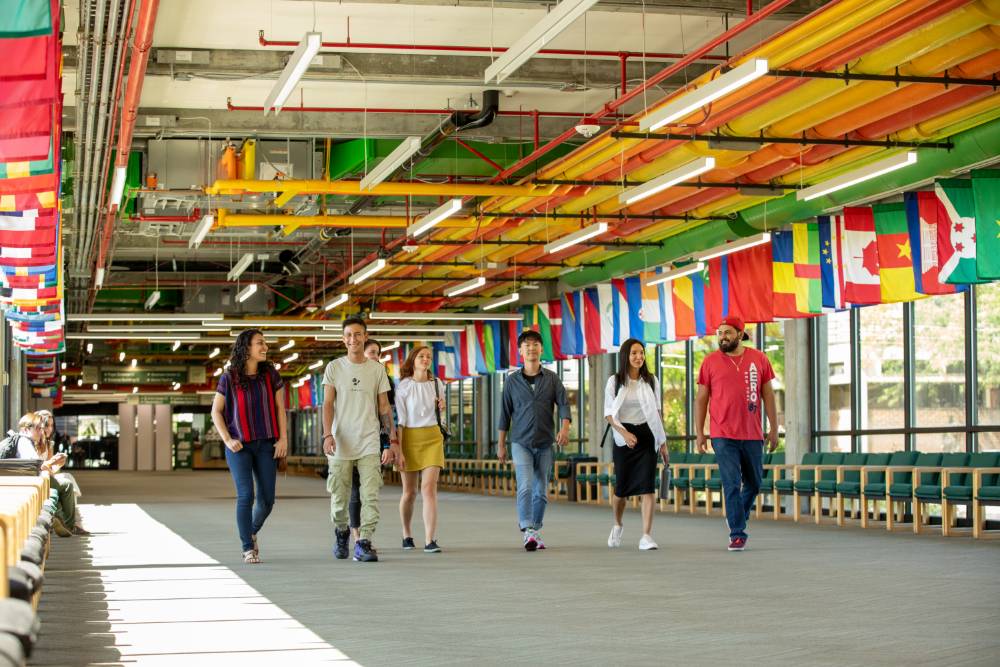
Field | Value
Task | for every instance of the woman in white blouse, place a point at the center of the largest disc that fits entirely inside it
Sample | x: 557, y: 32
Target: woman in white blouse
x: 632, y: 408
x: 419, y: 401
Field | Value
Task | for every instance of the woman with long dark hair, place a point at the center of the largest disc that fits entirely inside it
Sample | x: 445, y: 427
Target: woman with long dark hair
x: 249, y: 413
x: 632, y: 408
x: 418, y: 404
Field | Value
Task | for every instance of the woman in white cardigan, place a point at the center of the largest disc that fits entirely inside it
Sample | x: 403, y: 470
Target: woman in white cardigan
x: 632, y: 408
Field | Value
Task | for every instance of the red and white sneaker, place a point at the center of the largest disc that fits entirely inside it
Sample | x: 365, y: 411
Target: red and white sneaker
x: 738, y: 544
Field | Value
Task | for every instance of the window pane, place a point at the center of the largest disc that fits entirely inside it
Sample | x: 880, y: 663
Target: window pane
x: 701, y: 347
x: 774, y: 348
x: 939, y: 369
x: 835, y: 443
x: 988, y: 389
x: 881, y: 382
x: 834, y: 370
x: 673, y: 383
x: 571, y: 380
x: 875, y: 444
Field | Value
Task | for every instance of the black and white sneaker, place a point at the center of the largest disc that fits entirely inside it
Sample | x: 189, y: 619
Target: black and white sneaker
x: 432, y: 548
x: 408, y: 543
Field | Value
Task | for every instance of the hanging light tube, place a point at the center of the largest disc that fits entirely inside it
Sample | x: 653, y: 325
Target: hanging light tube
x: 214, y: 353
x: 314, y: 365
x: 152, y: 299
x: 342, y: 298
x: 90, y: 348
x: 673, y: 274
x: 290, y: 358
x: 391, y: 162
x: 735, y: 246
x: 297, y: 65
x: 148, y: 317
x: 99, y: 278
x: 175, y: 346
x: 201, y: 231
x: 856, y: 176
x: 393, y: 346
x: 502, y: 301
x: 246, y: 292
x: 367, y: 272
x: 579, y: 236
x: 467, y: 286
x: 682, y: 173
x: 446, y: 210
x: 422, y: 339
x: 135, y: 363
x: 241, y: 266
x: 445, y: 316
x: 217, y: 373
x: 287, y: 346
x: 557, y: 20
x: 121, y: 356
x: 690, y: 102
x: 117, y: 188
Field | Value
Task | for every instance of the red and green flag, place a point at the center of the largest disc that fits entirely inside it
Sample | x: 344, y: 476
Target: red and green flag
x: 986, y: 192
x: 956, y: 231
x: 895, y: 254
x: 806, y: 260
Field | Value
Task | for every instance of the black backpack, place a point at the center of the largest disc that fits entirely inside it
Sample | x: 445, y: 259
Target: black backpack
x: 8, y: 446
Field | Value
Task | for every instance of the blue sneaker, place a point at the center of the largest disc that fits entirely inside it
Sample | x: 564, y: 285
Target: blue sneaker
x: 340, y: 545
x: 364, y: 552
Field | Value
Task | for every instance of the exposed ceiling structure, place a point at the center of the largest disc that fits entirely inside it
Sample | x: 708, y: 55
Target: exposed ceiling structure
x: 175, y: 99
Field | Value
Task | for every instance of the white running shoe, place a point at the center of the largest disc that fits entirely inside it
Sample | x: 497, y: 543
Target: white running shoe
x: 615, y: 538
x: 647, y: 543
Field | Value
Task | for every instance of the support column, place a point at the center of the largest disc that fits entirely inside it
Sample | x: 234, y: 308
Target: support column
x: 164, y: 438
x: 798, y: 424
x: 600, y: 367
x: 126, y: 436
x: 144, y: 438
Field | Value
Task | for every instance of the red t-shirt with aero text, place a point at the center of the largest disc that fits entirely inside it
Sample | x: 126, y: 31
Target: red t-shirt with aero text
x: 734, y: 385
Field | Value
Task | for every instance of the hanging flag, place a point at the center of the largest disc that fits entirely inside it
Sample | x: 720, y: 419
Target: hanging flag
x: 24, y: 59
x: 25, y: 18
x: 895, y: 254
x: 649, y: 311
x: 805, y: 249
x: 716, y: 278
x: 784, y: 302
x: 751, y: 284
x: 515, y: 327
x: 39, y: 238
x: 986, y: 192
x: 571, y: 339
x: 956, y: 231
x: 921, y: 220
x: 861, y: 271
x: 592, y: 321
x: 480, y: 347
x: 626, y: 307
x: 555, y: 323
x: 689, y: 306
x: 467, y: 355
x: 831, y: 268
x: 605, y: 300
x: 501, y: 344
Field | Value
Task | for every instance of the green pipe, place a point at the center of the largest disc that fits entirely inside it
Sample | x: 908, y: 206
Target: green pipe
x: 972, y: 146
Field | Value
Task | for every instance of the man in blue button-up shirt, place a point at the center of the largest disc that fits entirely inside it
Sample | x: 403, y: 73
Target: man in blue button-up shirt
x: 529, y: 396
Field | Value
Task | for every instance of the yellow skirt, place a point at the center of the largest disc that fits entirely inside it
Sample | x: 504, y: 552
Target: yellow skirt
x: 422, y: 448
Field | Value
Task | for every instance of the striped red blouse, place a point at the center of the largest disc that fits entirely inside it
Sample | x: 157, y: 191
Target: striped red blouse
x: 251, y: 410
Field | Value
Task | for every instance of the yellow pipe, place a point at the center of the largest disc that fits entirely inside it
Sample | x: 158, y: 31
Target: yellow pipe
x: 390, y: 189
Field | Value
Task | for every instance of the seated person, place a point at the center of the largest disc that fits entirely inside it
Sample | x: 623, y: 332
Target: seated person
x: 32, y: 445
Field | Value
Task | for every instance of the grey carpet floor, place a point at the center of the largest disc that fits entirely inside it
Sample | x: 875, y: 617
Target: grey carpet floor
x: 801, y: 594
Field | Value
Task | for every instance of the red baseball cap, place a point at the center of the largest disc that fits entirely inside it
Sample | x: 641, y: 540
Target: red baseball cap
x: 734, y: 322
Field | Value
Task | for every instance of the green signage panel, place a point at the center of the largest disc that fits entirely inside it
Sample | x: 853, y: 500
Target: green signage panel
x: 143, y: 375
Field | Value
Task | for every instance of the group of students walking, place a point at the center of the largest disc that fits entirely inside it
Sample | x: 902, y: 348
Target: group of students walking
x: 361, y: 434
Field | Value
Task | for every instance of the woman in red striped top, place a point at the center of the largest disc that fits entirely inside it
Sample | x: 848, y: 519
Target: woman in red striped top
x: 249, y: 414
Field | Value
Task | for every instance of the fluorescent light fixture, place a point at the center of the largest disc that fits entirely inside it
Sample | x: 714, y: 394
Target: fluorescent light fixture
x: 688, y: 103
x: 367, y: 272
x: 392, y: 347
x: 557, y: 20
x: 94, y: 386
x: 135, y: 363
x: 467, y: 286
x: 391, y: 162
x: 342, y: 298
x: 673, y: 177
x: 226, y: 365
x: 856, y: 176
x: 64, y: 364
x: 201, y: 231
x: 414, y: 328
x: 502, y: 301
x: 445, y: 316
x: 297, y: 65
x: 408, y: 339
x: 287, y: 346
x: 121, y: 356
x: 217, y: 373
x: 153, y: 329
x: 446, y: 210
x: 214, y: 353
x: 135, y: 390
x: 147, y: 317
x: 99, y: 278
x: 316, y: 364
x: 386, y: 358
x: 726, y: 248
x: 579, y: 236
x: 117, y: 188
x: 290, y: 358
x: 246, y: 292
x: 90, y: 348
x: 266, y: 323
x: 63, y: 378
x: 673, y: 274
x: 175, y: 346
x: 79, y: 382
x: 152, y: 299
x: 125, y: 336
x: 242, y: 265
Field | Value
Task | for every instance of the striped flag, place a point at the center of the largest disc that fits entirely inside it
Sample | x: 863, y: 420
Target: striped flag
x: 831, y: 267
x: 689, y: 306
x: 592, y: 321
x: 605, y: 301
x: 805, y: 252
x: 922, y: 226
x: 571, y: 339
x: 895, y: 254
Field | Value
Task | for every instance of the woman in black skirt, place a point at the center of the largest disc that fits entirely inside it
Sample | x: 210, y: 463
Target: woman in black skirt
x: 632, y: 407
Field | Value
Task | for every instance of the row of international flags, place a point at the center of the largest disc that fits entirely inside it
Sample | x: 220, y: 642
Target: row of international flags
x: 31, y: 285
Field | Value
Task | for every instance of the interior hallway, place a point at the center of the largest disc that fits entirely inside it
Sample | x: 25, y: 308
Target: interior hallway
x: 139, y: 592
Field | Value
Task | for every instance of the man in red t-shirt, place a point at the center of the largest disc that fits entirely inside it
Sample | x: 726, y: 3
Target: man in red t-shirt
x: 733, y: 382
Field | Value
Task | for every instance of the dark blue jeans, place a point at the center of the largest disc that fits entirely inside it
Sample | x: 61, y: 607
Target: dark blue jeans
x: 255, y: 460
x: 740, y: 466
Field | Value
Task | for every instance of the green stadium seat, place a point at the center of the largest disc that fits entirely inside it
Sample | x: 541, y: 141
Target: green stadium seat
x: 873, y: 482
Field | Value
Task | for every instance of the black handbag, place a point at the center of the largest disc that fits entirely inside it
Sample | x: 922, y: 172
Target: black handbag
x: 445, y: 432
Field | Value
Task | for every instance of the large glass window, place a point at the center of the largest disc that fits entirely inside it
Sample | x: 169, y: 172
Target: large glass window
x: 988, y: 363
x: 881, y: 385
x: 673, y: 383
x: 939, y: 371
x: 700, y: 348
x: 774, y: 348
x: 833, y: 371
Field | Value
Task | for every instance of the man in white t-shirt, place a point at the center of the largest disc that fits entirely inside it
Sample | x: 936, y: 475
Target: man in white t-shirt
x: 355, y: 409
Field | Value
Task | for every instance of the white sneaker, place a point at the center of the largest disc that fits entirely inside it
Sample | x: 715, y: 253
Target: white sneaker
x: 615, y: 538
x: 647, y: 543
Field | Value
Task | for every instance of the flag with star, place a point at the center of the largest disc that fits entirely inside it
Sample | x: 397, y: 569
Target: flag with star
x: 830, y: 266
x: 860, y: 258
x: 956, y: 231
x: 895, y: 254
x: 986, y: 193
x: 924, y: 213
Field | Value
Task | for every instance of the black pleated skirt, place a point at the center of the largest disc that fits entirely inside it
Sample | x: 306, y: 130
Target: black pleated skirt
x: 635, y: 468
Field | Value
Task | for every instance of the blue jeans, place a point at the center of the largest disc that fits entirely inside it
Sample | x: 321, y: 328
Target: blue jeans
x: 255, y: 460
x: 532, y: 468
x: 740, y: 466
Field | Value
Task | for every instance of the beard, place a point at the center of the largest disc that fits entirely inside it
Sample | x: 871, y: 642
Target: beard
x: 729, y: 345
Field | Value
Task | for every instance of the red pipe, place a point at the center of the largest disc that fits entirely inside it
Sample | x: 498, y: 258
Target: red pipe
x: 479, y: 154
x: 576, y: 53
